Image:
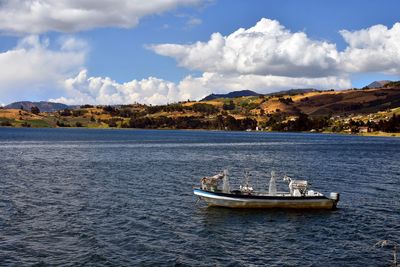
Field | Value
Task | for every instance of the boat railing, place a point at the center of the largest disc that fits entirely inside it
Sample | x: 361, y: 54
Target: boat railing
x: 220, y: 183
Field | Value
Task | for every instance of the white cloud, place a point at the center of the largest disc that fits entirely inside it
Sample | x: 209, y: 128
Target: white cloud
x: 83, y: 89
x: 192, y: 22
x: 32, y: 68
x: 268, y: 57
x: 196, y: 88
x: 376, y: 49
x: 39, y: 16
x: 264, y: 58
x: 268, y: 48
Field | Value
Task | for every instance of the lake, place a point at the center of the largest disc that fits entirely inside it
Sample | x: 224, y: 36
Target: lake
x: 86, y: 197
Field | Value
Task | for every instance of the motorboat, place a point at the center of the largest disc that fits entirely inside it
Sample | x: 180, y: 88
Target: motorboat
x: 215, y: 191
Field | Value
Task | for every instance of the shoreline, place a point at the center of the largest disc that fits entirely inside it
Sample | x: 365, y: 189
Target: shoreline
x: 369, y: 134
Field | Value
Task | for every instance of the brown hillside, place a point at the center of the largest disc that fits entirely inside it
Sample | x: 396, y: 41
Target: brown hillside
x: 17, y: 113
x: 349, y: 101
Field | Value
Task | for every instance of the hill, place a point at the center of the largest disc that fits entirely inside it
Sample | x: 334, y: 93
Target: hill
x: 44, y: 106
x: 234, y: 94
x: 378, y: 84
x: 395, y: 84
x: 293, y: 92
x: 345, y: 102
x: 353, y: 110
x: 246, y: 93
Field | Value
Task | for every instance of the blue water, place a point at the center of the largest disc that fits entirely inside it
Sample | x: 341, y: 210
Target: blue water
x: 82, y: 197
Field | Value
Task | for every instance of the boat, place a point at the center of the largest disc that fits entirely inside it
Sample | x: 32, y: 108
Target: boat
x: 215, y: 191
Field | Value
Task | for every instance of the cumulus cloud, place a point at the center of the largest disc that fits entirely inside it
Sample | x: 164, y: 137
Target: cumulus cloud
x: 268, y: 57
x: 32, y: 68
x: 264, y: 58
x: 198, y: 87
x: 376, y: 49
x: 38, y: 16
x: 84, y: 89
x: 268, y: 48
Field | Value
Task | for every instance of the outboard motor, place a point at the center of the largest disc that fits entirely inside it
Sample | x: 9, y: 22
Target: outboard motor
x: 335, y: 196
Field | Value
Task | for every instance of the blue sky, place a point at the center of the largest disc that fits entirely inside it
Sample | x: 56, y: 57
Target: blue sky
x: 112, y: 52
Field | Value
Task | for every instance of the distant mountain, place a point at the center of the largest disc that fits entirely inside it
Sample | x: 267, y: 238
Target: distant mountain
x: 252, y: 93
x: 230, y: 95
x: 293, y: 92
x: 42, y: 105
x: 378, y: 84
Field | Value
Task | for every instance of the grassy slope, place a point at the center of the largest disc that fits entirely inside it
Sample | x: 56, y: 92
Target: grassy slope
x: 325, y: 102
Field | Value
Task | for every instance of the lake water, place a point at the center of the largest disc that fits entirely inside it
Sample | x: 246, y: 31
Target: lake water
x: 82, y: 197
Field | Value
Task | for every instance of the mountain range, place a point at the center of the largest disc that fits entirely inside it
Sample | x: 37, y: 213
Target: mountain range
x: 44, y: 106
x: 234, y: 94
x: 378, y: 84
x: 246, y: 93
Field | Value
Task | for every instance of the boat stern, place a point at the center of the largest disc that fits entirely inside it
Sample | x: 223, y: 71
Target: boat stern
x: 335, y: 197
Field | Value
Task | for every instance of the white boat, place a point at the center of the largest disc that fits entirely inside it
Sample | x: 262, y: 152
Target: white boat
x: 215, y: 191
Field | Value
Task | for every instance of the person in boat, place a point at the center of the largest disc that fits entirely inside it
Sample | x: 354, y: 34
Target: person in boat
x: 297, y: 187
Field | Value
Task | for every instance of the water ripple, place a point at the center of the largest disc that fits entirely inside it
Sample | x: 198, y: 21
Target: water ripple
x: 123, y: 198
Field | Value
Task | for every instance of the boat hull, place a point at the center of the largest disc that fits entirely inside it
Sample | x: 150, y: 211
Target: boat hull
x: 265, y: 202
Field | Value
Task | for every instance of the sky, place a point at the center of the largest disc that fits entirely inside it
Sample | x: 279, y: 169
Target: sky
x: 164, y: 51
